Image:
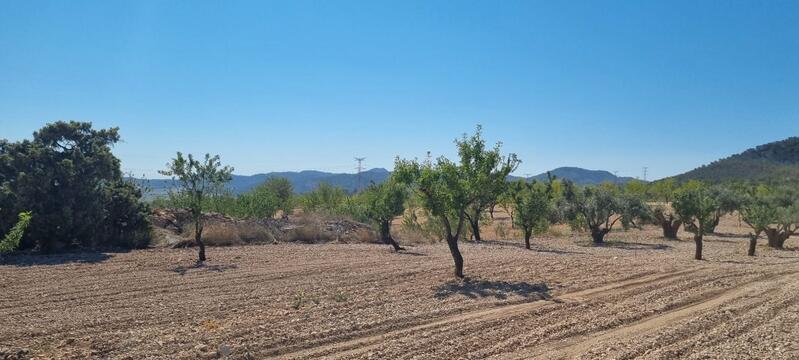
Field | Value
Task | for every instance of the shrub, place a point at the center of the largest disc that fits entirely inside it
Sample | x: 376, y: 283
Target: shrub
x: 11, y: 241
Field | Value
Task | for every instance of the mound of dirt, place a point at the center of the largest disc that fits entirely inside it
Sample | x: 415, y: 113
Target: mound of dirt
x: 176, y: 229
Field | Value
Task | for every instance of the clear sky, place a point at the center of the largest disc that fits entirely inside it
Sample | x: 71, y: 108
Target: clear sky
x: 272, y: 86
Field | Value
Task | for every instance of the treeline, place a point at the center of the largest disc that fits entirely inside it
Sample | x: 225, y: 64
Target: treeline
x: 66, y: 187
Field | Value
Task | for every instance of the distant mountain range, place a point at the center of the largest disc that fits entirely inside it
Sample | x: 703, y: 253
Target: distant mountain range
x: 778, y: 161
x: 582, y: 176
x: 305, y: 181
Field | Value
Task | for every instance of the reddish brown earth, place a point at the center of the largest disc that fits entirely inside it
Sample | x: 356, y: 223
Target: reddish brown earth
x: 640, y: 296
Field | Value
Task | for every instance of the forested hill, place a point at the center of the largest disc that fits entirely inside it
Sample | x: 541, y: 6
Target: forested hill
x: 777, y: 161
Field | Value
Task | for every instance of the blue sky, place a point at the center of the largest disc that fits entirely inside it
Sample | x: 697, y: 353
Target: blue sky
x: 270, y: 86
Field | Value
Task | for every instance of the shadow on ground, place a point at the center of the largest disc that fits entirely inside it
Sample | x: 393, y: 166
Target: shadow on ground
x: 33, y: 259
x: 627, y: 245
x: 201, y: 267
x: 475, y: 288
x: 520, y: 245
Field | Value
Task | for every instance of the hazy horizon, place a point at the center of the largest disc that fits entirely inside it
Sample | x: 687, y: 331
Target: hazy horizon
x: 289, y: 86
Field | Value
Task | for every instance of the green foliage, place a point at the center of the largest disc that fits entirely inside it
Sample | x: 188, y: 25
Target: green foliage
x: 383, y: 202
x: 11, y: 240
x: 776, y: 162
x: 325, y: 198
x: 283, y: 191
x: 70, y: 181
x: 484, y: 172
x: 663, y: 190
x: 599, y: 208
x: 197, y: 178
x: 533, y: 203
x: 697, y: 208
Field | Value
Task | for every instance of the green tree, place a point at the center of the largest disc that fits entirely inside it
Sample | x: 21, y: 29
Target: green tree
x: 533, y: 203
x: 283, y: 191
x: 779, y: 207
x: 196, y: 178
x: 728, y: 201
x: 382, y: 203
x: 662, y: 192
x: 325, y: 197
x: 759, y: 211
x: 68, y: 178
x: 485, y: 172
x: 600, y: 208
x: 11, y: 240
x: 444, y: 193
x: 697, y: 208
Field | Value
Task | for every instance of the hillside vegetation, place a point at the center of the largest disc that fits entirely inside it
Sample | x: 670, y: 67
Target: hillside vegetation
x: 776, y: 161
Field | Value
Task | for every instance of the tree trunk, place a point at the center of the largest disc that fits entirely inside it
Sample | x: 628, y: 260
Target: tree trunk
x: 385, y: 235
x: 752, y: 244
x: 456, y: 255
x: 527, y: 234
x: 698, y: 241
x: 475, y: 224
x: 670, y: 228
x: 776, y: 238
x: 711, y: 227
x: 598, y: 235
x: 198, y: 238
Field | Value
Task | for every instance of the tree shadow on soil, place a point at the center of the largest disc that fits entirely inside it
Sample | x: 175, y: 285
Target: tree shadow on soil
x: 201, y: 267
x: 473, y: 289
x: 627, y: 245
x: 33, y: 259
x: 533, y: 247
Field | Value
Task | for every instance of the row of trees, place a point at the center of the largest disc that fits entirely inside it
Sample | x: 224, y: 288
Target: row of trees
x: 458, y: 195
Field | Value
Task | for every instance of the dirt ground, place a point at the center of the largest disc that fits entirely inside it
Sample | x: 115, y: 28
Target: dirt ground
x: 640, y: 296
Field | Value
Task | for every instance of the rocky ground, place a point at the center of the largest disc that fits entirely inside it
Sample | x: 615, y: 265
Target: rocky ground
x: 639, y: 296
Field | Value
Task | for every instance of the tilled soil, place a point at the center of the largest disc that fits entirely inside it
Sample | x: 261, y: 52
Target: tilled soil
x: 639, y: 296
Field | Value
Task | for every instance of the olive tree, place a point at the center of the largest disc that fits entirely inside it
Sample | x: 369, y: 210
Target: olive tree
x: 484, y: 172
x: 697, y: 208
x: 785, y: 218
x: 196, y: 178
x: 600, y: 208
x: 382, y: 203
x: 663, y: 215
x: 758, y: 211
x: 728, y: 202
x: 533, y: 204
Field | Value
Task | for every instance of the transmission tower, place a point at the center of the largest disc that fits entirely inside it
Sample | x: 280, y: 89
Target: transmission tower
x: 360, y: 167
x: 645, y: 170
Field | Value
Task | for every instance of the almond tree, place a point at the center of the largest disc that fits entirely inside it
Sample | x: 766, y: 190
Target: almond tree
x: 382, y: 203
x: 195, y: 179
x: 444, y: 193
x: 485, y: 172
x: 533, y: 203
x: 448, y: 190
